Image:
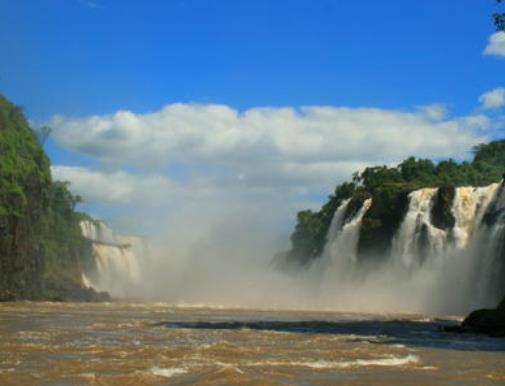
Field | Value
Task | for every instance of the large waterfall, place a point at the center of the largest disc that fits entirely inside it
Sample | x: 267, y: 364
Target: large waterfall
x: 427, y: 267
x: 118, y: 259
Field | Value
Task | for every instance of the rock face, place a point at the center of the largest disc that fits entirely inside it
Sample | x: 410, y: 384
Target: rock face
x: 486, y: 321
x: 395, y: 244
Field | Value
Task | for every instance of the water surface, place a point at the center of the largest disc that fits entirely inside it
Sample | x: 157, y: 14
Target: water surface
x: 158, y: 344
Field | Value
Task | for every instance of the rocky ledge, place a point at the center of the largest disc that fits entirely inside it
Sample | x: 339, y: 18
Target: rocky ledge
x: 486, y: 321
x: 60, y: 292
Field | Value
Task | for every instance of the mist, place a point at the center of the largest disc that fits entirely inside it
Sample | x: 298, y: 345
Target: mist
x: 215, y: 191
x: 224, y: 258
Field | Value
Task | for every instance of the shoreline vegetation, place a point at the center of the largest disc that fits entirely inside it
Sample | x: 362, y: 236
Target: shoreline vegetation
x: 42, y: 250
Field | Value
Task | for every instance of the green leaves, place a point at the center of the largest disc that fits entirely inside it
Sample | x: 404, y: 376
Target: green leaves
x: 388, y: 187
x: 40, y: 237
x: 499, y: 19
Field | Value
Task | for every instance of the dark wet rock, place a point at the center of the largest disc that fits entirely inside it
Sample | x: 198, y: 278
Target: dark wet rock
x: 485, y: 321
x: 7, y: 296
x: 389, y: 206
x: 74, y: 292
x: 441, y: 211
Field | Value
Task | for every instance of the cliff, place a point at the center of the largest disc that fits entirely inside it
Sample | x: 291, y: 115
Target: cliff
x: 423, y: 225
x: 389, y: 188
x: 42, y: 251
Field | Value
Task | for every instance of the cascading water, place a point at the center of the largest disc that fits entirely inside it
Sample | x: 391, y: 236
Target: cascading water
x: 117, y: 259
x: 470, y: 204
x: 417, y: 237
x: 339, y: 255
x: 428, y: 268
x: 344, y: 235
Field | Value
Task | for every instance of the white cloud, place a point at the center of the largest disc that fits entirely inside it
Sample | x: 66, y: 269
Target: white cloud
x: 493, y: 99
x: 434, y: 111
x: 496, y: 44
x: 306, y: 148
x: 195, y: 164
x: 117, y: 187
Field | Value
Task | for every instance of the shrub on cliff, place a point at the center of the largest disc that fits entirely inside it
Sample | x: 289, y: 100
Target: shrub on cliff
x: 389, y: 188
x: 41, y: 247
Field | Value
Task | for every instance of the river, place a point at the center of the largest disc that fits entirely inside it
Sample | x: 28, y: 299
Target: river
x: 159, y: 344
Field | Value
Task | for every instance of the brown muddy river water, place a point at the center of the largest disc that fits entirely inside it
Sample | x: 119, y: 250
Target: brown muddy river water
x: 156, y: 344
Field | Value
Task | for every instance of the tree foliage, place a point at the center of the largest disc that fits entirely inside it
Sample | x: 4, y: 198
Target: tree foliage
x: 40, y: 239
x: 499, y: 19
x: 389, y: 187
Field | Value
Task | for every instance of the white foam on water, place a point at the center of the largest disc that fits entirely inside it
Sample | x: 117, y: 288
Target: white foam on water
x: 392, y: 361
x: 323, y: 364
x: 229, y: 366
x: 167, y: 372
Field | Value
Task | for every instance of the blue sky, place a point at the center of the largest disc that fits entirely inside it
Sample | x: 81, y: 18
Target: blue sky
x: 83, y: 58
x: 93, y: 57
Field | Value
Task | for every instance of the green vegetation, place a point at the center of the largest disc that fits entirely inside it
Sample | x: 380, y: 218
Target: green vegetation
x: 499, y: 19
x: 309, y: 236
x: 42, y: 251
x: 67, y: 253
x: 389, y: 188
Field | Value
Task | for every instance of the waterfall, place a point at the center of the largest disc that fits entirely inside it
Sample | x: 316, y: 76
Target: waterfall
x: 340, y: 252
x: 343, y: 234
x: 335, y: 227
x: 117, y: 259
x: 427, y: 268
x: 487, y: 248
x: 469, y: 206
x: 417, y: 238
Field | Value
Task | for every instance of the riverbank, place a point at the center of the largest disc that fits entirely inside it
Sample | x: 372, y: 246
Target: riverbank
x: 58, y: 292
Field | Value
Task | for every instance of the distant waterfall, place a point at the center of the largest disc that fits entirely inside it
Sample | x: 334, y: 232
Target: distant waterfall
x: 118, y: 259
x: 343, y: 237
x: 340, y: 252
x: 442, y: 269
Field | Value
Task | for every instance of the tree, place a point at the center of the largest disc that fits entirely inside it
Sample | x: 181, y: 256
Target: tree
x: 499, y: 19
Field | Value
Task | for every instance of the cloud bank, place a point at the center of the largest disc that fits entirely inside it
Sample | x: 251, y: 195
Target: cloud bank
x: 496, y: 44
x: 285, y: 148
x: 217, y: 190
x: 205, y: 161
x: 493, y: 99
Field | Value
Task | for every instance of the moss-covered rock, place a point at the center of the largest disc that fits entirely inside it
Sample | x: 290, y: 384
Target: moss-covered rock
x: 70, y: 290
x: 441, y: 213
x: 355, y: 204
x: 389, y: 205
